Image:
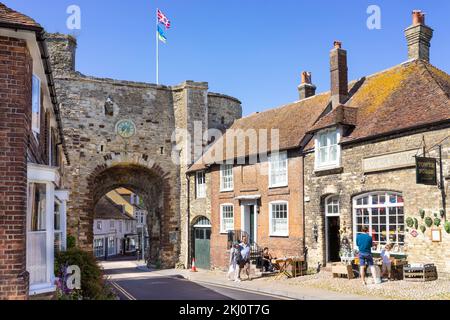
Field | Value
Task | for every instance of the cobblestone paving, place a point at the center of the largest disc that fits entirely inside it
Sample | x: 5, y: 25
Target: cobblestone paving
x: 399, y: 290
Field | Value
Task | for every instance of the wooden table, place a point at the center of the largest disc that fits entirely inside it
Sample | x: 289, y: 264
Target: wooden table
x: 282, y: 265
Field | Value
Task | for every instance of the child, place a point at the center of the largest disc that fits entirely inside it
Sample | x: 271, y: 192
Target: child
x: 386, y: 256
x: 235, y: 255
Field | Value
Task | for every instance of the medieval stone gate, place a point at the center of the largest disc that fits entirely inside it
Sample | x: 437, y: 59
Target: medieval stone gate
x: 119, y: 134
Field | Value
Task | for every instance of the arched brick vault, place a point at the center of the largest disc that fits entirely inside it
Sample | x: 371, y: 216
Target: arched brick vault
x: 155, y: 188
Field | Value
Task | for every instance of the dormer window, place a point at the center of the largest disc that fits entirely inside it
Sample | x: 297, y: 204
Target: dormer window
x: 327, y: 148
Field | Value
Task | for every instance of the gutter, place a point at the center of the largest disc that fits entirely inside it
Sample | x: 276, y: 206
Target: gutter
x: 188, y: 219
x: 40, y: 38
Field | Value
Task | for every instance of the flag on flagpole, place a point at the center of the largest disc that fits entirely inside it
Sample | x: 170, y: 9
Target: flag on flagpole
x: 161, y: 35
x: 163, y: 19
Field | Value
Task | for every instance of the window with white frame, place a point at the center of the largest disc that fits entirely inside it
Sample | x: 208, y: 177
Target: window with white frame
x: 36, y: 104
x: 120, y: 226
x: 226, y: 218
x: 332, y: 206
x: 99, y: 249
x: 111, y: 224
x: 201, y: 185
x: 278, y: 170
x: 383, y: 213
x: 279, y: 219
x: 327, y: 149
x: 226, y: 177
x: 99, y: 225
x: 58, y: 230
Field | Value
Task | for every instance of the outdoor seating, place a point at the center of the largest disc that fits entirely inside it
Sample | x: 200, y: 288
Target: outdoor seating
x: 289, y: 267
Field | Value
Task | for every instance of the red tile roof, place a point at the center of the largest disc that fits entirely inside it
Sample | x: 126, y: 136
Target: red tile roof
x: 106, y: 209
x: 406, y: 96
x: 10, y: 16
x: 291, y: 121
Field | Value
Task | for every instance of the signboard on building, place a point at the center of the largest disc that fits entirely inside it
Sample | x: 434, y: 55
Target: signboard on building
x: 426, y: 171
x: 390, y: 161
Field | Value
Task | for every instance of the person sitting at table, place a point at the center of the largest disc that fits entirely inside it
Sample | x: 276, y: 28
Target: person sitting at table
x: 267, y: 260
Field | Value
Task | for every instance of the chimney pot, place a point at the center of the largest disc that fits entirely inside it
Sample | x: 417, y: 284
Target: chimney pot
x: 337, y: 44
x: 418, y: 17
x: 306, y: 89
x: 306, y: 77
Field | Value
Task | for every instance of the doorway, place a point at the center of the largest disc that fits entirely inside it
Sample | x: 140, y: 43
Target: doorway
x: 250, y: 221
x: 334, y: 241
x: 332, y: 229
x: 202, y: 243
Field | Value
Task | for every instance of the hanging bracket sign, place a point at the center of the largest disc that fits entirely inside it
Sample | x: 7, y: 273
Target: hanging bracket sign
x: 426, y: 171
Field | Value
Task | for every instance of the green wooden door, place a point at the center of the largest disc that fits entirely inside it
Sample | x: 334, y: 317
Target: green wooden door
x: 202, y: 247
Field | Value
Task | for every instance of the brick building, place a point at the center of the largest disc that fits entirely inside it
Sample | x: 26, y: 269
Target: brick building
x: 351, y: 162
x: 32, y: 161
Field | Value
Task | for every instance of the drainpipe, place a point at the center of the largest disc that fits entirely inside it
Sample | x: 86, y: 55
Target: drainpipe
x: 305, y: 250
x: 188, y: 219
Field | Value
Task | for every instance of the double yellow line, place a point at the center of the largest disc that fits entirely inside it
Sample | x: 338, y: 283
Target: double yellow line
x: 122, y: 290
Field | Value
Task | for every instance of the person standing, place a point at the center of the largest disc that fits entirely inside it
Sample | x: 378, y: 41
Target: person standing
x: 365, y: 244
x: 235, y: 257
x: 245, y: 258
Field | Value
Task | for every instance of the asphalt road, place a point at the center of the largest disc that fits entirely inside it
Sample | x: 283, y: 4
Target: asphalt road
x: 178, y: 288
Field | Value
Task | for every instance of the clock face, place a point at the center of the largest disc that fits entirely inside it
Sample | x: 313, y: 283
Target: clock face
x: 126, y: 128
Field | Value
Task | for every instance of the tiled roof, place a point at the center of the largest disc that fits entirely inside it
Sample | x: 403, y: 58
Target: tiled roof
x: 10, y: 16
x: 406, y: 96
x: 341, y: 115
x: 107, y: 209
x: 291, y: 120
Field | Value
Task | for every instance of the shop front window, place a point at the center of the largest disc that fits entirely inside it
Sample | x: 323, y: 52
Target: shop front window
x: 383, y: 213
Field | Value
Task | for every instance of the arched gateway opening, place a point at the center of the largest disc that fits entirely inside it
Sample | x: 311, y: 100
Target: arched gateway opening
x: 154, y: 189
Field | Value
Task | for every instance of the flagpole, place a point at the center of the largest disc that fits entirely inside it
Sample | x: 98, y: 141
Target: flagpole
x: 157, y: 49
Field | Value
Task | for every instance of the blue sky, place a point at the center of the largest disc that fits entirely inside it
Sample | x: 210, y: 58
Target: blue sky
x: 251, y: 49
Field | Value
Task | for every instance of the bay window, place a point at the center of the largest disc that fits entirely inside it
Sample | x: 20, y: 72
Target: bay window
x: 278, y: 170
x: 46, y: 226
x: 383, y: 213
x: 327, y: 149
x: 226, y: 218
x: 226, y: 177
x: 201, y: 185
x: 279, y: 219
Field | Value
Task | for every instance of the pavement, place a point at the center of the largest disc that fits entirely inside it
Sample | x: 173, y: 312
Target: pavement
x: 134, y: 281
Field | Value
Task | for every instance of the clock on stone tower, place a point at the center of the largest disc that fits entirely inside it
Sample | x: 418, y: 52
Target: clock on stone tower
x: 126, y: 128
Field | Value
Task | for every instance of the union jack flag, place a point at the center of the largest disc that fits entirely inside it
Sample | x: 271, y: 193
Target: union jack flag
x: 163, y: 19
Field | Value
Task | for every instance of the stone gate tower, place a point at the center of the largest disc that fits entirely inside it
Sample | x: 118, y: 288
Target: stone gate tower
x: 119, y: 134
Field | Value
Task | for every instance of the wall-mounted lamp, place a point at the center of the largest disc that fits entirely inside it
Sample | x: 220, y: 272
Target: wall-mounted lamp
x: 316, y: 232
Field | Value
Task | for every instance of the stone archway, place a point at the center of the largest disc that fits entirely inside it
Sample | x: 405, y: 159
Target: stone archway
x: 154, y: 186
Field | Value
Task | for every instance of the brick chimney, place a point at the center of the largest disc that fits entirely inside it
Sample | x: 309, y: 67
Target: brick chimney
x: 419, y: 37
x: 339, y: 75
x: 306, y: 89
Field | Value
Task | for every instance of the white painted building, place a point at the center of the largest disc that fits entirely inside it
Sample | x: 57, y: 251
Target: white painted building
x: 114, y: 230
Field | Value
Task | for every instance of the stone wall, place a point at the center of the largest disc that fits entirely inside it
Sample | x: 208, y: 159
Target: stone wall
x: 352, y: 180
x: 91, y: 109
